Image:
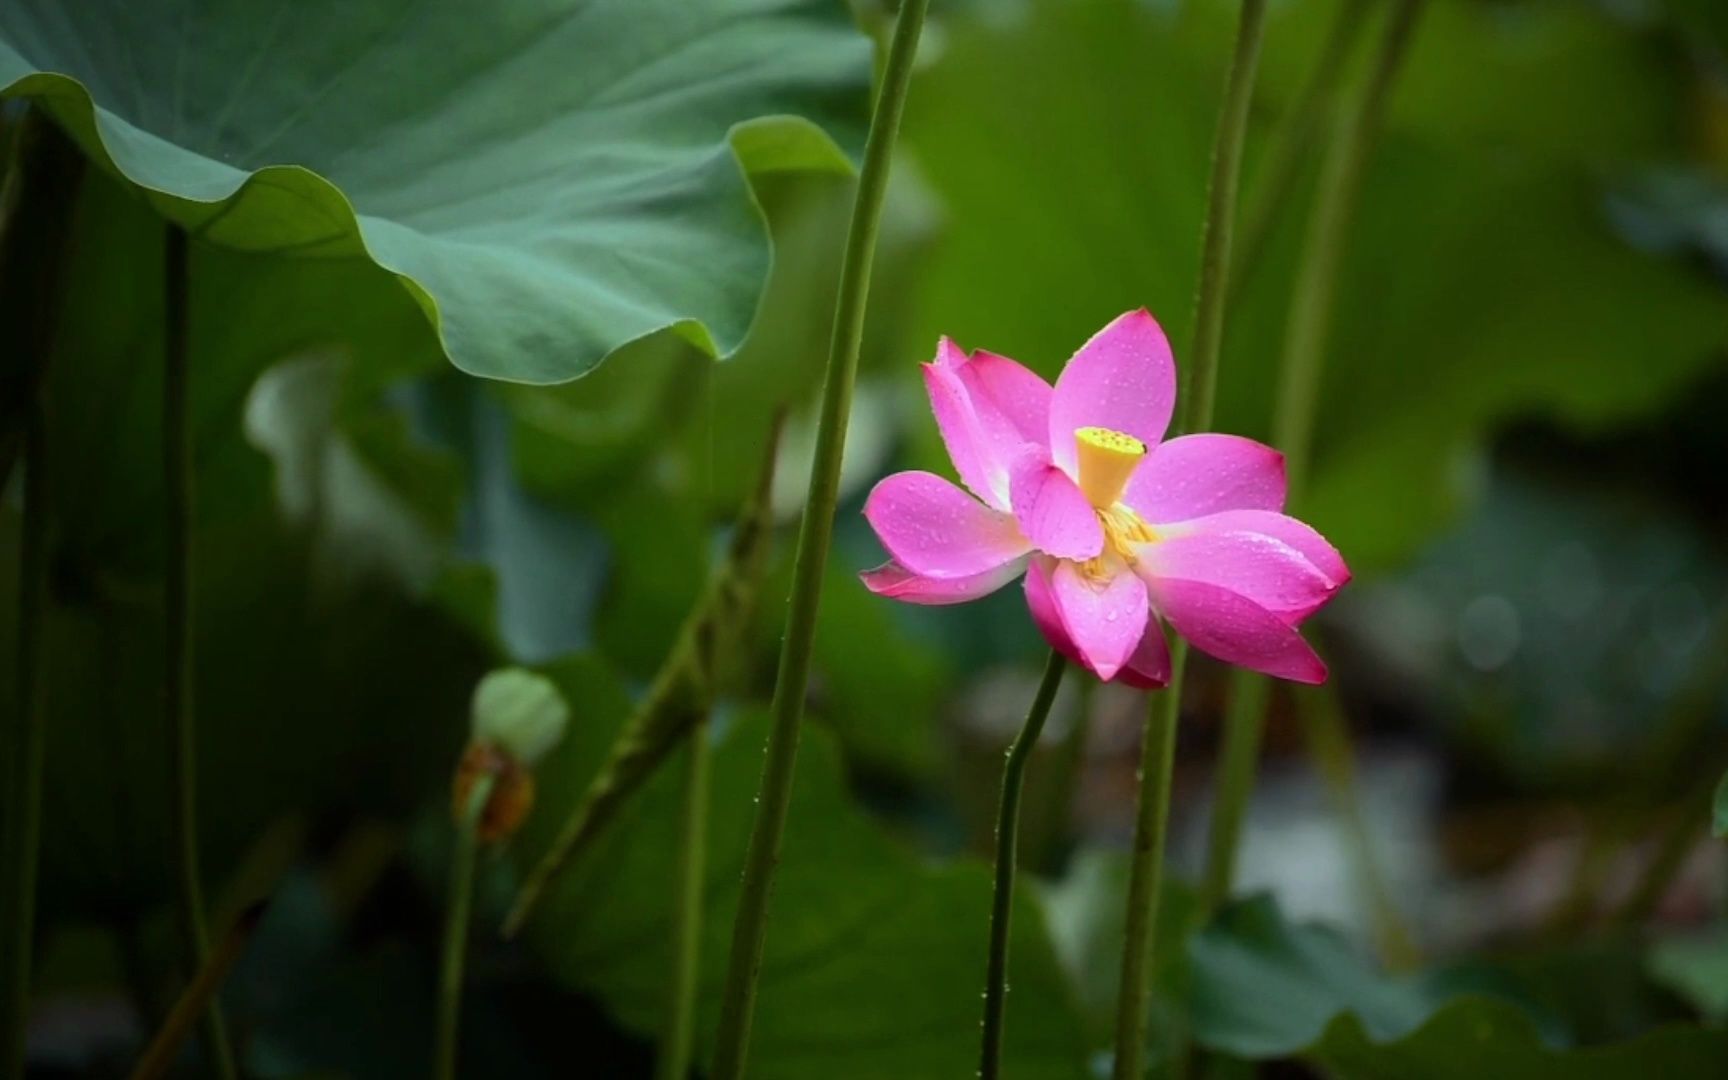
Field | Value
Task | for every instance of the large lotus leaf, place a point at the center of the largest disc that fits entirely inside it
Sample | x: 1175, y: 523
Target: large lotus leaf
x: 549, y: 180
x: 1695, y: 966
x: 1474, y: 1037
x: 1262, y: 987
x: 874, y: 958
x: 1483, y: 277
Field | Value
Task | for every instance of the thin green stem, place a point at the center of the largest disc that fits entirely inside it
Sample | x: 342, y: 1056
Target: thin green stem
x: 738, y: 1001
x: 1300, y: 374
x: 456, y: 918
x: 198, y: 997
x: 1146, y: 870
x: 1317, y: 277
x: 1007, y: 853
x: 1293, y: 423
x: 1245, y: 718
x: 177, y: 635
x: 676, y: 1040
x: 1200, y: 375
x: 1238, y: 758
x: 1199, y: 390
x: 682, y: 693
x: 1276, y: 177
x: 35, y: 215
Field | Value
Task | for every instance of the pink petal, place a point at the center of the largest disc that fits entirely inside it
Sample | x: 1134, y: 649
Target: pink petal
x: 1123, y: 379
x: 936, y: 530
x: 1105, y: 619
x: 1196, y: 475
x: 1267, y: 571
x: 962, y: 432
x: 1052, y: 511
x: 1280, y: 527
x: 896, y: 582
x: 1236, y: 630
x: 1149, y: 667
x: 1010, y: 394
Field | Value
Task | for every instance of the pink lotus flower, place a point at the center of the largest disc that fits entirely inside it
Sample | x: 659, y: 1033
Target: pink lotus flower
x: 1113, y: 528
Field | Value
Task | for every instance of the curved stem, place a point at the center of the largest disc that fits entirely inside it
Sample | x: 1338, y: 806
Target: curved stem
x: 177, y: 634
x: 749, y: 930
x: 1007, y: 851
x: 1158, y: 746
x: 1146, y: 870
x: 682, y: 693
x: 455, y: 952
x: 674, y: 1061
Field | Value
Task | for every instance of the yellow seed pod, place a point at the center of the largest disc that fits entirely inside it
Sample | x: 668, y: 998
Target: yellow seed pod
x: 1106, y: 460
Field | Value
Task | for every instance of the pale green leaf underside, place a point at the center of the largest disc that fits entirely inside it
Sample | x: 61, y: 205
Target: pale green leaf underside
x: 551, y: 179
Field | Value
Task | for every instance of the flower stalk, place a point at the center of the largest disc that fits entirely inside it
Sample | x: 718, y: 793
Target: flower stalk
x: 461, y: 899
x: 158, y: 1057
x: 35, y: 214
x: 1158, y: 748
x: 676, y: 1039
x: 1300, y: 372
x: 177, y: 633
x: 815, y: 533
x: 1007, y: 853
x: 682, y: 694
x: 1277, y: 175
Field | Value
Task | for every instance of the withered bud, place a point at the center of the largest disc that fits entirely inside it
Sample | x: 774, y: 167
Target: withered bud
x: 512, y: 794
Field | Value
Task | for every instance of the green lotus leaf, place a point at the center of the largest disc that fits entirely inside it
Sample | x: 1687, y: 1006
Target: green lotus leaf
x: 548, y: 180
x: 1473, y: 1037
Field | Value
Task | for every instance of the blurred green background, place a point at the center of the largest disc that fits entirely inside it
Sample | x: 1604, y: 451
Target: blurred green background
x: 1520, y: 450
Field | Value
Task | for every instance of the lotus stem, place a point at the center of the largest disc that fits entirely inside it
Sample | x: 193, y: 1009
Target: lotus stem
x: 455, y: 954
x: 1300, y: 371
x: 35, y: 213
x: 1007, y: 852
x: 1299, y: 377
x: 1317, y: 275
x: 1158, y: 744
x: 198, y: 996
x: 749, y: 931
x: 682, y: 693
x: 676, y: 1039
x: 177, y: 633
x: 1276, y: 178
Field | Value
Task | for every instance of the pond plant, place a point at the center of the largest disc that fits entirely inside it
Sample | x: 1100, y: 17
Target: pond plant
x: 413, y: 413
